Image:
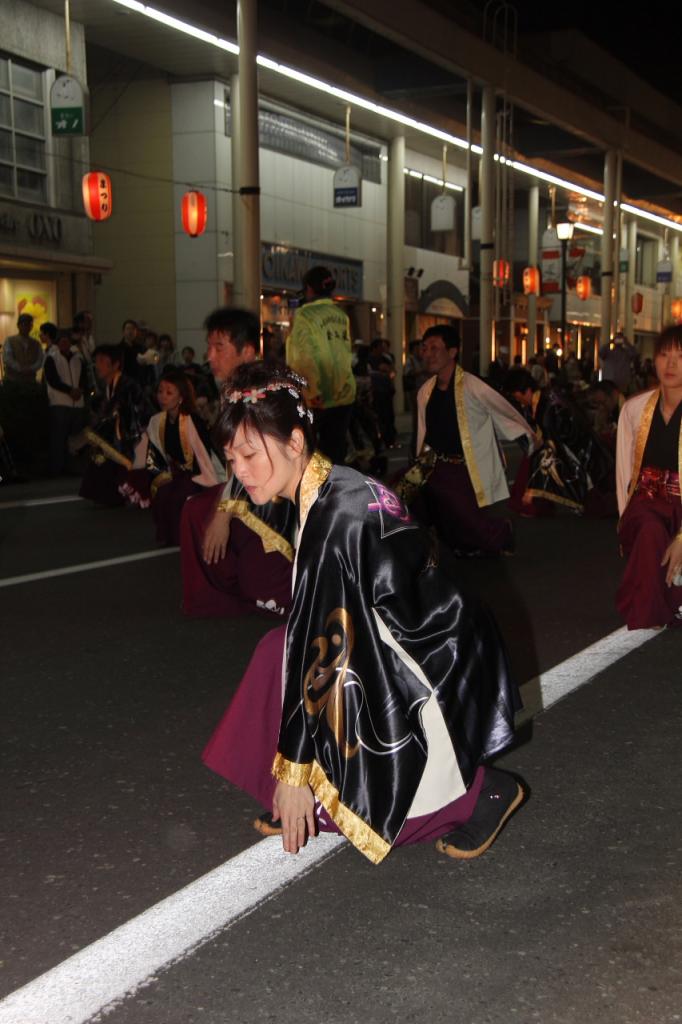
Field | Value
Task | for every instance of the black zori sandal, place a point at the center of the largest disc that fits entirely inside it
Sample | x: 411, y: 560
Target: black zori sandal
x: 500, y: 796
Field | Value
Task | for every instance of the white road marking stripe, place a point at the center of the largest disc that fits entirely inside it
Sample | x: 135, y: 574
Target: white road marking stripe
x: 120, y: 963
x: 33, y: 502
x: 540, y: 693
x: 31, y: 577
x: 123, y: 960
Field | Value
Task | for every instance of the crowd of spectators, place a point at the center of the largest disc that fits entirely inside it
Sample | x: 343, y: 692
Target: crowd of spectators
x: 50, y: 389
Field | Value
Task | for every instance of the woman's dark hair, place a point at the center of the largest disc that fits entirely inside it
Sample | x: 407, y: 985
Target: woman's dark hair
x: 670, y: 337
x: 518, y: 380
x: 50, y: 330
x: 181, y: 381
x: 275, y: 413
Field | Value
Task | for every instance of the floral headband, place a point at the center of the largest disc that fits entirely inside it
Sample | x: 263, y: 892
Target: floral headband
x: 253, y: 395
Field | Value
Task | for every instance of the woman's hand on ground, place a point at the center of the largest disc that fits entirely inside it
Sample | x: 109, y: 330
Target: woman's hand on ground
x: 295, y: 807
x: 673, y: 559
x: 216, y: 537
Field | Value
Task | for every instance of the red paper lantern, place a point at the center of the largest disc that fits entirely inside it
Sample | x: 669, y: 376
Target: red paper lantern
x: 501, y: 273
x: 583, y: 287
x: 97, y: 195
x: 637, y: 302
x: 531, y: 281
x: 676, y: 309
x: 194, y: 213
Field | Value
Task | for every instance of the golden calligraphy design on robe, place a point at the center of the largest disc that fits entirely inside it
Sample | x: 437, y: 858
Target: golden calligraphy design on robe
x: 324, y: 681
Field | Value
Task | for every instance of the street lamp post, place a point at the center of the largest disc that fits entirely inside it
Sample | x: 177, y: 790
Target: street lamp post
x: 565, y: 234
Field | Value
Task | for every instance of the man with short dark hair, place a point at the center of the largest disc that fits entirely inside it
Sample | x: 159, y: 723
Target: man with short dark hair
x: 119, y: 421
x: 459, y: 470
x: 319, y: 348
x: 236, y: 557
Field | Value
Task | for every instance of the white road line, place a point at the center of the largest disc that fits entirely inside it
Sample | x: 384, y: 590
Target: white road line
x: 33, y: 502
x: 118, y: 964
x: 31, y: 577
x: 541, y: 692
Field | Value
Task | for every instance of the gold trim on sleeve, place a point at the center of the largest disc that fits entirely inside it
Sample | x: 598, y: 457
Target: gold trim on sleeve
x: 533, y: 492
x: 314, y: 475
x: 98, y: 442
x: 159, y: 480
x: 465, y: 435
x: 290, y: 772
x: 642, y: 436
x: 363, y: 838
x: 270, y: 539
x: 185, y: 443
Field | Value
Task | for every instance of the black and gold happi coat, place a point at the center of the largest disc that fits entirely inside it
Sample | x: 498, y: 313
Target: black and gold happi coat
x: 396, y: 683
x: 118, y: 423
x: 571, y: 459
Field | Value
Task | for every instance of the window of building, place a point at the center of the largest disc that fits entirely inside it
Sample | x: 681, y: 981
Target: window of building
x: 419, y: 195
x: 646, y: 261
x: 23, y: 170
x: 310, y: 139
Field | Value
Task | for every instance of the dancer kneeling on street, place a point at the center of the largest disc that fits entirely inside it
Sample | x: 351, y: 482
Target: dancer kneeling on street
x: 396, y: 687
x: 648, y: 472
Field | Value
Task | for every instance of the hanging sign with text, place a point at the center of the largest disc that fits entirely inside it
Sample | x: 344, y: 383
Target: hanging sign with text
x: 67, y: 106
x: 347, y: 186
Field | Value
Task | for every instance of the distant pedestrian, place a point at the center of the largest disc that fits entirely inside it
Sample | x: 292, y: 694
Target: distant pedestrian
x: 319, y: 348
x: 66, y: 381
x: 617, y: 359
x: 22, y: 355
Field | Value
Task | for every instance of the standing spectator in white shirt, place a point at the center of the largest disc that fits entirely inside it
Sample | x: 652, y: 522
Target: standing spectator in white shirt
x: 66, y: 380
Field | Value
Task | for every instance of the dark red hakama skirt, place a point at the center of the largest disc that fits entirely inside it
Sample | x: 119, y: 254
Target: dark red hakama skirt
x: 246, y: 580
x: 447, y: 501
x: 243, y: 747
x: 648, y: 525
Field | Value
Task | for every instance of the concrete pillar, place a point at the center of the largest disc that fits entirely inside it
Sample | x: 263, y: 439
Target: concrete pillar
x: 237, y: 227
x: 469, y: 180
x: 675, y: 260
x: 249, y: 187
x: 607, y: 261
x: 395, y: 261
x: 617, y: 225
x: 630, y: 286
x: 487, y: 203
x: 533, y: 217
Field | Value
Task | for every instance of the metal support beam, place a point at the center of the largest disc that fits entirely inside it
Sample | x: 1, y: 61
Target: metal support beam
x: 607, y: 245
x: 237, y: 227
x: 395, y: 260
x: 533, y: 218
x: 249, y: 186
x: 630, y: 279
x: 486, y: 201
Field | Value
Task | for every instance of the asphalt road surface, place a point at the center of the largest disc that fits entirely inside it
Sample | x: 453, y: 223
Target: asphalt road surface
x: 109, y: 695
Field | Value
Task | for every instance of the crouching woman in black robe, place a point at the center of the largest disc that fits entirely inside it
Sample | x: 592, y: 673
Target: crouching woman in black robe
x: 396, y: 687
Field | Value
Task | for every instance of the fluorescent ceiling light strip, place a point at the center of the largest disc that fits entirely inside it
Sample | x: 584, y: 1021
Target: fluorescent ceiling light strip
x: 181, y: 26
x: 587, y: 227
x: 359, y: 101
x: 554, y: 180
x: 377, y: 108
x: 635, y: 210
